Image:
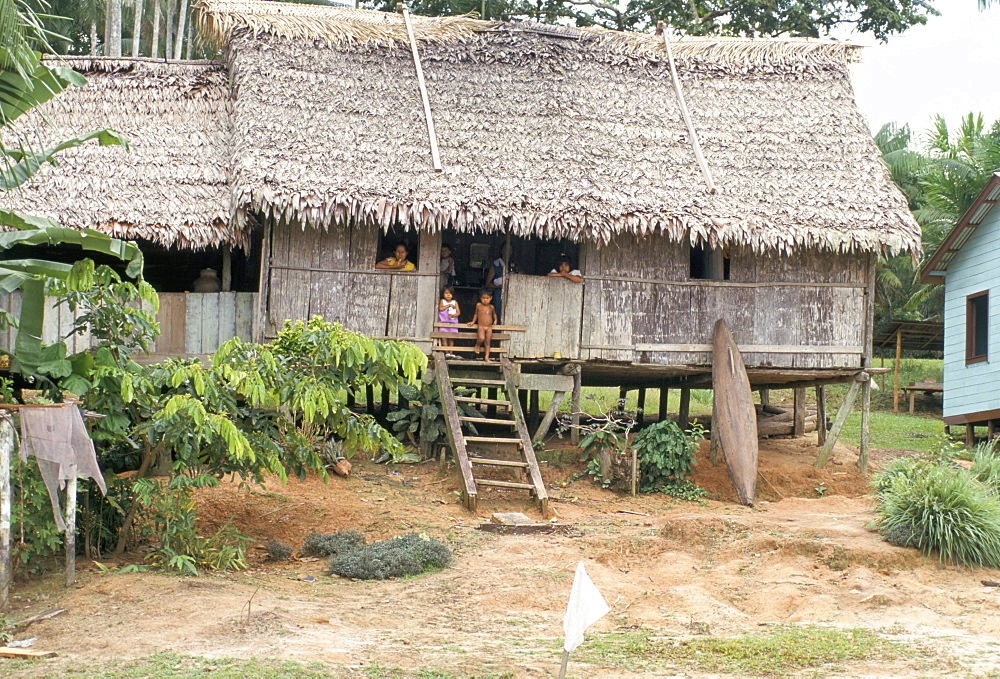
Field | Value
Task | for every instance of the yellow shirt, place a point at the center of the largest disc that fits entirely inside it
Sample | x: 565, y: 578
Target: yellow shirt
x: 409, y: 265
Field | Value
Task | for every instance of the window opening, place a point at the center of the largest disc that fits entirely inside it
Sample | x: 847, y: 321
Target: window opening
x: 388, y: 240
x: 977, y: 327
x: 707, y: 263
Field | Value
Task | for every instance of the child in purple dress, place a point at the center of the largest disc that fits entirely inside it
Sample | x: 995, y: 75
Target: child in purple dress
x: 448, y: 311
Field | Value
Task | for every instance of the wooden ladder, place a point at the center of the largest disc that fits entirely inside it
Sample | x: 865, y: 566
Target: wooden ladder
x: 480, y: 457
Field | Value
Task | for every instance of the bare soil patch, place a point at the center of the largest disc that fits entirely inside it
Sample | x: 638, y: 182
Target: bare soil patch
x: 678, y: 569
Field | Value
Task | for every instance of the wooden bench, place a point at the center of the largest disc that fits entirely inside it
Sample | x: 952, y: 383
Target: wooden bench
x: 925, y: 387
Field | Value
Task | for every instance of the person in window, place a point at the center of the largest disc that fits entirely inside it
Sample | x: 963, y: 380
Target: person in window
x: 565, y: 270
x: 398, y: 260
x: 494, y: 281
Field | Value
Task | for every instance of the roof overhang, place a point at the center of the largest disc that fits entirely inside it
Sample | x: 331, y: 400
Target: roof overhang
x: 937, y: 266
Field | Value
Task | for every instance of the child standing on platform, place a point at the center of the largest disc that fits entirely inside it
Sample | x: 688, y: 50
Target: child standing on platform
x: 485, y: 318
x: 448, y: 311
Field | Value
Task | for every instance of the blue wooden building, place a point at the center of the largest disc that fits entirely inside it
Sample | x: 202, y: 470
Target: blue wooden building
x: 968, y: 263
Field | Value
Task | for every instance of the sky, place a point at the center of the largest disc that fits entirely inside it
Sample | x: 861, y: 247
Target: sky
x: 950, y: 66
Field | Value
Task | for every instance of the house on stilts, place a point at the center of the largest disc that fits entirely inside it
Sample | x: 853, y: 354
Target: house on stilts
x: 553, y: 141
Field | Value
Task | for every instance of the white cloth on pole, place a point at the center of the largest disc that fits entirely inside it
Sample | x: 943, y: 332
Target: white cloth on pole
x: 586, y: 606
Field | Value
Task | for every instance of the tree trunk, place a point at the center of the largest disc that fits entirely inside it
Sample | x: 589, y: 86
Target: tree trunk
x: 113, y: 29
x: 154, y: 48
x: 168, y: 46
x: 93, y: 37
x: 190, y: 38
x: 136, y: 26
x: 147, y: 460
x: 181, y: 18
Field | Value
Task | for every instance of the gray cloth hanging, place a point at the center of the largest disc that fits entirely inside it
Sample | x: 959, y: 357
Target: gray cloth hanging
x: 58, y: 440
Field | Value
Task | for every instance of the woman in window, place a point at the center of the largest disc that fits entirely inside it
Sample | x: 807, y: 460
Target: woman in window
x: 398, y: 260
x: 565, y: 270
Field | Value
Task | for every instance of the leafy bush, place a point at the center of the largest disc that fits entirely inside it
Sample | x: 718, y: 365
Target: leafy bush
x: 408, y: 554
x: 278, y: 550
x: 937, y: 508
x: 332, y: 544
x: 425, y: 408
x: 665, y: 455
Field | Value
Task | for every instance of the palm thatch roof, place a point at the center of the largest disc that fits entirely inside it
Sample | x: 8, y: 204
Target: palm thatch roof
x: 172, y: 188
x: 551, y: 132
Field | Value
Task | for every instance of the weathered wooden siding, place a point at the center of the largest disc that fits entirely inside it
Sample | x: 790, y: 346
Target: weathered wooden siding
x: 332, y: 273
x: 554, y: 307
x: 972, y: 388
x: 190, y: 323
x: 805, y: 310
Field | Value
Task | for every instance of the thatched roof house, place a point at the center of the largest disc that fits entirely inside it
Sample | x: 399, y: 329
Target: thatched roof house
x: 172, y: 188
x: 551, y: 132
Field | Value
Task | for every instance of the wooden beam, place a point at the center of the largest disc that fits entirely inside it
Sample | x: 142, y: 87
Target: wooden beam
x: 227, y: 268
x: 866, y: 404
x: 661, y: 411
x: 799, y: 412
x: 533, y: 409
x: 454, y: 430
x: 841, y: 419
x: 684, y: 409
x: 970, y: 435
x: 640, y: 409
x: 550, y: 415
x: 432, y: 135
x: 821, y: 415
x: 765, y: 396
x: 574, y: 435
x: 895, y: 371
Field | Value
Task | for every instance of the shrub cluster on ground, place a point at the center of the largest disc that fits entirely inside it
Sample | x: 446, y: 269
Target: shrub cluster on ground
x: 407, y: 554
x: 939, y: 507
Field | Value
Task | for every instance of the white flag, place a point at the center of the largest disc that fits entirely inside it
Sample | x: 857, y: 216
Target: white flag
x: 586, y: 606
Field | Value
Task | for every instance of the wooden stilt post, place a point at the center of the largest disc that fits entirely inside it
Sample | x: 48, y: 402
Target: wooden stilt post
x: 841, y: 419
x: 684, y: 409
x: 714, y: 449
x: 491, y: 410
x: 799, y: 412
x: 533, y: 410
x: 970, y: 435
x: 820, y: 415
x: 71, y: 526
x: 227, y: 268
x: 765, y: 396
x: 574, y: 435
x: 661, y: 411
x: 370, y: 399
x: 895, y: 371
x: 990, y: 430
x: 622, y: 394
x: 866, y: 403
x: 6, y: 452
x: 385, y: 401
x: 640, y: 409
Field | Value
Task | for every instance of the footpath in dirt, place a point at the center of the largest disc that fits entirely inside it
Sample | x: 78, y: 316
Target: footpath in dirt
x: 674, y: 570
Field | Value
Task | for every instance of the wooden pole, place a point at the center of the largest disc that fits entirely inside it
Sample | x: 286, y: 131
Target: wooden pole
x: 765, y: 396
x: 533, y: 409
x: 423, y: 88
x: 550, y: 415
x: 661, y: 411
x: 684, y: 410
x: 866, y: 403
x: 574, y: 435
x: 895, y: 371
x: 227, y: 268
x: 635, y: 472
x: 565, y: 663
x: 695, y: 145
x: 841, y: 419
x: 798, y: 412
x: 640, y: 409
x: 71, y: 526
x: 821, y: 415
x: 970, y: 435
x: 6, y: 451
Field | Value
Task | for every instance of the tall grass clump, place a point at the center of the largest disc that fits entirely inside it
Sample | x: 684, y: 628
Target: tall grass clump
x: 939, y: 508
x: 986, y: 464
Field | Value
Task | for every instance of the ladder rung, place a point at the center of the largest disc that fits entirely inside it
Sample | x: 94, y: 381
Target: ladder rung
x: 504, y: 484
x: 491, y: 439
x: 497, y: 336
x: 498, y: 463
x: 487, y: 420
x: 468, y: 350
x: 484, y: 401
x: 478, y: 382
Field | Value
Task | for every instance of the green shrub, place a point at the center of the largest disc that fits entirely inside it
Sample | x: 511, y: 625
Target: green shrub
x: 278, y: 550
x: 333, y: 544
x: 937, y: 508
x: 408, y: 554
x: 665, y: 455
x: 986, y: 465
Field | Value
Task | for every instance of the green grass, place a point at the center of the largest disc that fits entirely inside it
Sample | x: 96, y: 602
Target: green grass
x: 171, y: 665
x: 777, y: 652
x: 896, y: 432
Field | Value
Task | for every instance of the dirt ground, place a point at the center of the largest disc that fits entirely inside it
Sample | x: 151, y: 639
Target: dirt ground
x: 678, y: 569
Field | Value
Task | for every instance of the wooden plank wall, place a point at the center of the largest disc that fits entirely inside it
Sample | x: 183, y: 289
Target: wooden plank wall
x: 190, y: 323
x: 550, y: 309
x: 804, y: 310
x: 332, y: 274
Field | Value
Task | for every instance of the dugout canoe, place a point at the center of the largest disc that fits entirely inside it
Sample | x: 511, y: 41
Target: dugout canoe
x: 735, y: 420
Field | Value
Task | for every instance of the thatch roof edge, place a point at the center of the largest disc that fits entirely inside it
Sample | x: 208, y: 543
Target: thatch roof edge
x: 311, y: 210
